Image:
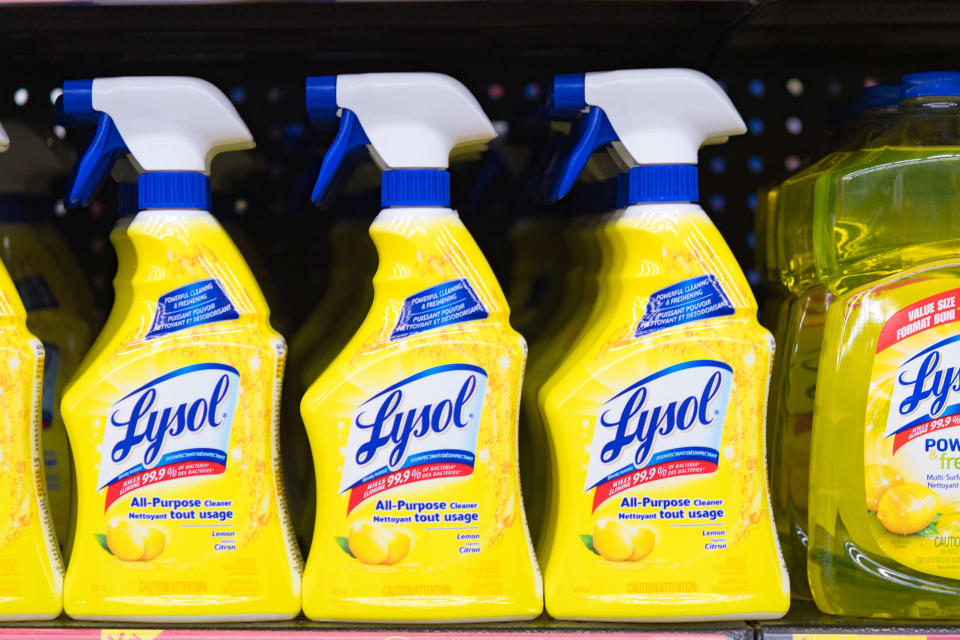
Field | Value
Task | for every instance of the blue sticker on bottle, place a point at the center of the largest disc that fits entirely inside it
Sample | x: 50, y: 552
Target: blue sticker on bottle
x: 195, y: 304
x: 35, y: 293
x: 443, y: 304
x: 686, y: 301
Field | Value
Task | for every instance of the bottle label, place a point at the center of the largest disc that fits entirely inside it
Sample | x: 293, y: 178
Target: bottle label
x: 422, y: 428
x: 193, y: 305
x: 686, y: 301
x: 51, y: 367
x: 448, y: 303
x: 35, y: 293
x: 176, y: 426
x: 666, y: 425
x: 912, y: 447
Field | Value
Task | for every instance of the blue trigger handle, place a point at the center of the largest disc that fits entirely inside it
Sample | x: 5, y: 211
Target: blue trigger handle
x: 350, y: 139
x: 75, y: 107
x: 593, y: 132
x: 106, y: 147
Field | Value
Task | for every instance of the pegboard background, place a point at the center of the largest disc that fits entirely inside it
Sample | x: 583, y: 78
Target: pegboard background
x: 506, y: 53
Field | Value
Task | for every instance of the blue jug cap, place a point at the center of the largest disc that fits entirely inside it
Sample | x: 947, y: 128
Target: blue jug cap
x: 930, y: 83
x: 174, y: 190
x: 415, y: 188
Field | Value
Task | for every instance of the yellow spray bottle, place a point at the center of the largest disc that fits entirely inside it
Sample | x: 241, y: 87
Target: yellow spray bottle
x: 180, y: 510
x: 413, y: 426
x: 594, y: 202
x: 656, y: 429
x: 48, y: 294
x: 31, y: 571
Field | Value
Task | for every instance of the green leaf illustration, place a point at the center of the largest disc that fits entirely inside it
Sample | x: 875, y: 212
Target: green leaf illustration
x: 102, y: 539
x: 344, y: 545
x: 931, y: 530
x: 588, y: 542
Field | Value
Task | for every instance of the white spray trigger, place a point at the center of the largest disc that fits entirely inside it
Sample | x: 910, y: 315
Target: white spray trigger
x: 171, y: 123
x: 663, y: 116
x: 414, y: 120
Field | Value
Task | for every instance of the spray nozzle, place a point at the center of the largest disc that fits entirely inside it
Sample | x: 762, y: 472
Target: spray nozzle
x: 654, y: 119
x: 565, y: 99
x: 410, y: 122
x: 170, y: 126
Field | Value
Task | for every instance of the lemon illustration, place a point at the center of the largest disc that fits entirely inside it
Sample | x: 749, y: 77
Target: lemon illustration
x: 643, y: 541
x: 907, y: 508
x: 398, y: 545
x: 125, y: 540
x: 154, y: 542
x: 612, y: 540
x: 879, y: 478
x: 368, y: 544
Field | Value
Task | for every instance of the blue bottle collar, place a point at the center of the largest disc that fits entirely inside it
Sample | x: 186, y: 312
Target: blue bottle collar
x: 174, y: 190
x: 659, y: 184
x: 415, y: 188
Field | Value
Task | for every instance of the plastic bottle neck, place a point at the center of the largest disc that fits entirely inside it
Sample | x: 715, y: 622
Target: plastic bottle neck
x: 415, y: 188
x: 658, y: 184
x: 176, y: 190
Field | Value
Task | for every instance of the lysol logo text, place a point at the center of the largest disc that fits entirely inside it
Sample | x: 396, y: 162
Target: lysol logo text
x: 427, y: 424
x: 926, y: 393
x: 669, y: 424
x: 177, y: 425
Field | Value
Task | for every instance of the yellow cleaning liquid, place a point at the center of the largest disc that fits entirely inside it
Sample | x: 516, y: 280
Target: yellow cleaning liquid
x: 413, y: 432
x: 536, y: 275
x: 677, y: 539
x: 765, y: 256
x: 53, y: 316
x: 75, y: 275
x: 883, y: 497
x: 325, y: 332
x: 122, y: 299
x: 584, y: 239
x: 54, y: 299
x: 806, y: 302
x: 122, y: 292
x: 31, y: 569
x: 597, y: 284
x: 30, y: 566
x: 180, y: 501
x: 560, y: 332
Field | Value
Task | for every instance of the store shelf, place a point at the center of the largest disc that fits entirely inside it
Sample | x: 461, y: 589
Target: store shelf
x: 305, y: 630
x: 805, y: 622
x: 848, y: 33
x: 399, y: 34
